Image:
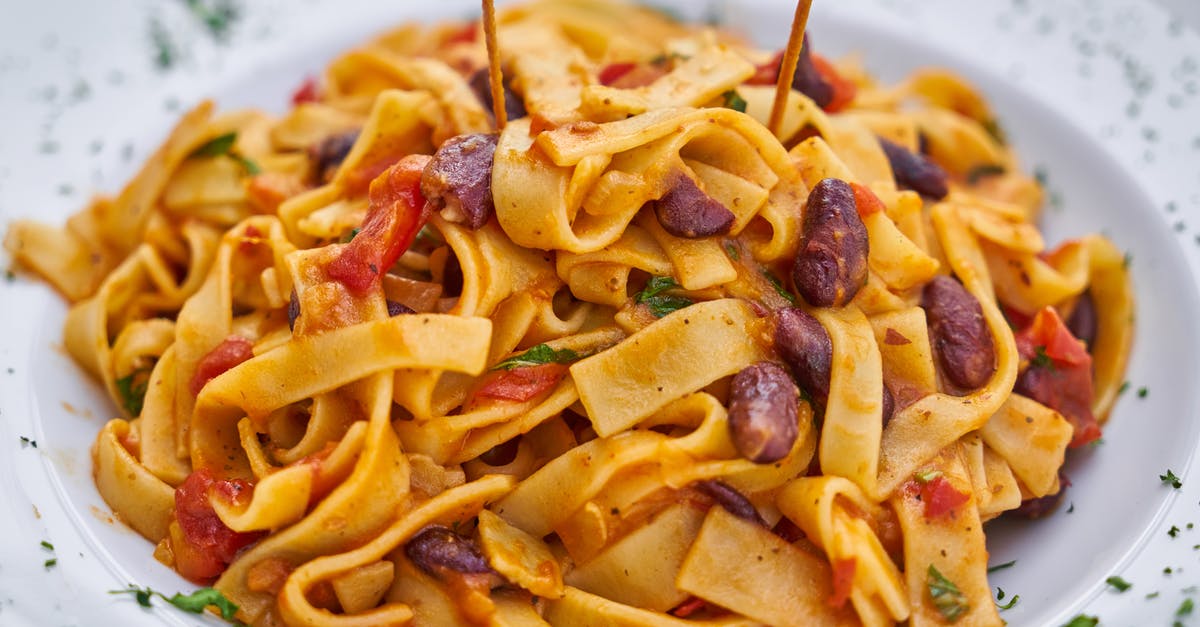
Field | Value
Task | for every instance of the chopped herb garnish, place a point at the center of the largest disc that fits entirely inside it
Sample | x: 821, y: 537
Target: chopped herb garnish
x: 734, y: 100
x: 217, y: 146
x: 194, y: 602
x: 1071, y: 509
x: 1124, y: 388
x: 927, y: 476
x: 981, y: 172
x: 732, y: 251
x: 50, y: 563
x: 992, y: 569
x: 349, y: 237
x: 1152, y: 595
x: 775, y: 283
x: 946, y: 596
x: 217, y: 16
x: 1011, y: 602
x: 1173, y: 531
x: 25, y: 441
x: 1041, y: 359
x: 1082, y: 621
x: 1120, y: 584
x: 537, y: 356
x: 47, y: 546
x: 1171, y: 480
x: 132, y: 388
x: 248, y: 164
x: 661, y: 304
x: 1143, y: 392
x: 1185, y: 608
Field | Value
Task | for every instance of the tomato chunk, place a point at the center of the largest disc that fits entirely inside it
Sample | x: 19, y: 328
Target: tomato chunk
x: 866, y: 201
x: 1059, y: 375
x: 233, y: 351
x: 306, y: 92
x: 843, y: 581
x: 397, y: 211
x: 208, y: 545
x: 521, y: 384
x: 614, y: 71
x: 844, y: 89
x: 940, y: 496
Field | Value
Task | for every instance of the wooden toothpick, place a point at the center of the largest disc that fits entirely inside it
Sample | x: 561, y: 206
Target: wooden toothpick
x: 787, y: 69
x: 495, y: 76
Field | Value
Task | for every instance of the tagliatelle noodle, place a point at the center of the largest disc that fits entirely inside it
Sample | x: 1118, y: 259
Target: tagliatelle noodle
x: 562, y: 389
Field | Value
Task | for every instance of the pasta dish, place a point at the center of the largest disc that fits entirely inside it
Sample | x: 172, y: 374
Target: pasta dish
x: 629, y: 359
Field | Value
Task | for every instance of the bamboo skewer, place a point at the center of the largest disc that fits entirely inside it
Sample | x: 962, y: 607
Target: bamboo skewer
x: 495, y: 76
x: 787, y: 69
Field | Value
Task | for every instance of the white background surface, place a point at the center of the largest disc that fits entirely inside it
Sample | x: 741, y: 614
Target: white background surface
x: 1106, y: 91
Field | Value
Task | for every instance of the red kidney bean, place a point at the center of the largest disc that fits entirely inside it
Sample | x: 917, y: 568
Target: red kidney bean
x: 458, y: 180
x: 959, y: 333
x: 805, y: 347
x: 1039, y: 507
x: 733, y: 501
x: 808, y: 80
x: 436, y: 549
x: 831, y: 265
x: 481, y: 84
x: 915, y: 171
x: 1083, y: 322
x: 686, y: 211
x: 293, y: 311
x: 763, y: 413
x: 329, y: 153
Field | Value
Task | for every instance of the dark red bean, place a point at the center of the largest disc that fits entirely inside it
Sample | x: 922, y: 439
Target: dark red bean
x: 458, y: 180
x: 436, y: 549
x: 329, y: 153
x: 1083, y: 322
x: 831, y: 265
x: 514, y: 106
x: 396, y: 309
x: 763, y: 413
x: 915, y: 171
x: 889, y: 405
x: 788, y: 530
x: 686, y: 211
x: 293, y: 311
x: 733, y: 501
x: 808, y: 81
x: 804, y: 345
x: 958, y: 332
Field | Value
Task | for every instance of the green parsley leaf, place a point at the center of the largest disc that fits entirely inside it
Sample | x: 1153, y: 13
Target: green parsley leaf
x: 927, y: 476
x: 992, y: 569
x: 1082, y: 621
x: 537, y: 356
x: 980, y: 172
x: 202, y: 598
x: 1124, y: 388
x: 1152, y: 595
x: 1011, y: 602
x: 1041, y: 359
x: 1120, y: 584
x: 349, y: 237
x: 47, y: 546
x: 1171, y: 480
x: 734, y: 100
x: 946, y: 596
x: 217, y: 16
x: 132, y: 389
x: 661, y: 304
x: 50, y: 563
x: 1185, y: 608
x: 1173, y: 531
x: 194, y: 602
x: 215, y: 147
x: 775, y: 283
x: 248, y: 164
x: 1143, y: 392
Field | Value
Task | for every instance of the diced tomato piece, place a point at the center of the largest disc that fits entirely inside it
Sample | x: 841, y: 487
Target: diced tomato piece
x: 613, y: 71
x: 467, y: 34
x: 844, y: 89
x: 521, y: 384
x: 1065, y: 383
x: 866, y: 201
x: 233, y: 351
x: 940, y: 497
x: 306, y: 92
x: 209, y: 546
x: 843, y: 581
x: 767, y: 73
x: 397, y: 211
x: 689, y: 607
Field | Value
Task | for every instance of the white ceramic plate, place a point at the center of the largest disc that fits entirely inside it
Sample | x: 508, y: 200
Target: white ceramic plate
x: 1101, y: 96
